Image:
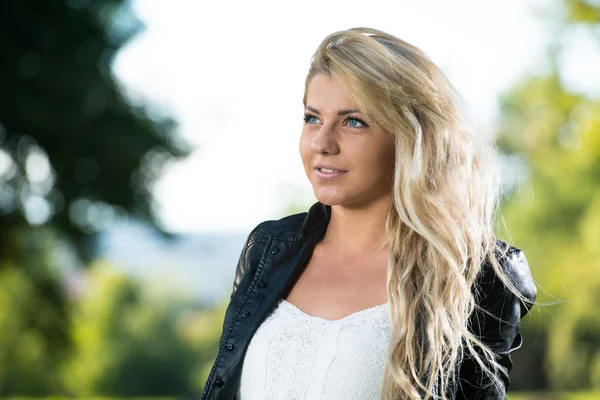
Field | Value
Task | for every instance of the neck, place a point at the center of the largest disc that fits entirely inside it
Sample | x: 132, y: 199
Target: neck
x: 358, y: 230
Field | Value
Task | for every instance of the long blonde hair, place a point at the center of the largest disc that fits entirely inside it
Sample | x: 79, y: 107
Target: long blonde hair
x: 440, y: 227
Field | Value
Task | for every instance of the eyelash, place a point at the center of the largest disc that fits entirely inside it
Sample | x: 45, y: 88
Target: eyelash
x: 309, y: 116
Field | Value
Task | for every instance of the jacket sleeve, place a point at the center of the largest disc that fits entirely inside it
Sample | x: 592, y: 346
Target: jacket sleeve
x: 497, y: 324
x: 243, y: 264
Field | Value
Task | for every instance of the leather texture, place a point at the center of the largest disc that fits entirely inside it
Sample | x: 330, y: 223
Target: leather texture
x: 273, y: 258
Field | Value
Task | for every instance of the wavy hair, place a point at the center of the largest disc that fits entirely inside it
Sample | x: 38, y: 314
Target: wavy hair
x: 439, y: 228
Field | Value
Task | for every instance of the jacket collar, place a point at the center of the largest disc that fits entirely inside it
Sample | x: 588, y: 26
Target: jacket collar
x: 317, y: 218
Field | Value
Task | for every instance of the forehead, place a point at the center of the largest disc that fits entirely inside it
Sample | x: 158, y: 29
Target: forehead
x: 328, y: 93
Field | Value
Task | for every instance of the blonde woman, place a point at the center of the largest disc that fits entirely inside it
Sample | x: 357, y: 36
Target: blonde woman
x: 393, y: 284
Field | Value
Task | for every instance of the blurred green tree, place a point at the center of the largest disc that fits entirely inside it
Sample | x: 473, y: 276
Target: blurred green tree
x: 33, y: 330
x: 126, y: 342
x: 202, y: 330
x: 554, y: 215
x: 75, y: 156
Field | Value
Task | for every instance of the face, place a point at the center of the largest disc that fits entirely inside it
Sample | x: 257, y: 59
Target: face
x: 335, y: 133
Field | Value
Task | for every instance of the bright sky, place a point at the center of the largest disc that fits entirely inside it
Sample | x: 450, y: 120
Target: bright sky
x: 232, y: 74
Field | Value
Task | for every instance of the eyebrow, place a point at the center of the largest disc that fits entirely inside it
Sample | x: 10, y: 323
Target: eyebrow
x: 340, y: 113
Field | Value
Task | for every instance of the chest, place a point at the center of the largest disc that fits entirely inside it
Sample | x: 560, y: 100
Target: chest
x: 299, y: 356
x: 333, y: 286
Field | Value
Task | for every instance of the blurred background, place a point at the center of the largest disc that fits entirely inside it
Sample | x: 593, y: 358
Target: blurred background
x: 141, y: 141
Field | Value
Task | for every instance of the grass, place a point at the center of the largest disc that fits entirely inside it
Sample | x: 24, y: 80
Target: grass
x: 554, y: 396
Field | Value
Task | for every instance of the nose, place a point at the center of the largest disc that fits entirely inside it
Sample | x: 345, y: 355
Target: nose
x: 325, y: 140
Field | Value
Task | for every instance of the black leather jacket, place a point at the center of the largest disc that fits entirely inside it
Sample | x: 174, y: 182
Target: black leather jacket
x: 272, y: 260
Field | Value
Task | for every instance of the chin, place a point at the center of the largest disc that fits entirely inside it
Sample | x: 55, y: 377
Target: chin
x: 330, y: 199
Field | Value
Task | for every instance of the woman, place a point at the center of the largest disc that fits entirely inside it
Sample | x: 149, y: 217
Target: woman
x: 393, y: 285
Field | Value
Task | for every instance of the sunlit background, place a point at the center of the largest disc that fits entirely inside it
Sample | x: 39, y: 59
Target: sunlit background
x: 141, y: 141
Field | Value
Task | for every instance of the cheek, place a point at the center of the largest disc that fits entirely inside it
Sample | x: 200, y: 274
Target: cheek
x: 376, y: 161
x: 389, y: 154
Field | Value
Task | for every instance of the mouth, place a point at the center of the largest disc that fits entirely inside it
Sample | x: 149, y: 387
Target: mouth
x: 329, y: 170
x: 326, y: 173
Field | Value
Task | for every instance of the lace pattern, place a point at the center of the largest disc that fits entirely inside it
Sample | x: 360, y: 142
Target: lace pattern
x: 295, y: 356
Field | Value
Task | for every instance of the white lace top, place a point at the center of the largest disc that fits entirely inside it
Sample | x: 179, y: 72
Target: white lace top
x: 297, y: 356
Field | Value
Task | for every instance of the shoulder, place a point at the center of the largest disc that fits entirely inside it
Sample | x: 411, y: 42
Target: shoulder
x: 492, y: 291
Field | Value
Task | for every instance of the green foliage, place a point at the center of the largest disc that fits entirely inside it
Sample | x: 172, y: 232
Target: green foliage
x: 25, y: 354
x: 81, y: 156
x: 555, y: 219
x: 554, y: 396
x: 554, y: 215
x: 125, y: 344
x: 201, y: 331
x: 117, y: 341
x: 33, y: 330
x: 582, y: 11
x: 61, y: 103
x: 88, y: 398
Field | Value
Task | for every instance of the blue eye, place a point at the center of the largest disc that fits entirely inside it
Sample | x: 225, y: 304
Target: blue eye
x: 354, y: 122
x: 309, y: 119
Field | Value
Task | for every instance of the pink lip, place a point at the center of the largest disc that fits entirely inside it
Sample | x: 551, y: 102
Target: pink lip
x: 329, y: 175
x: 329, y: 166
